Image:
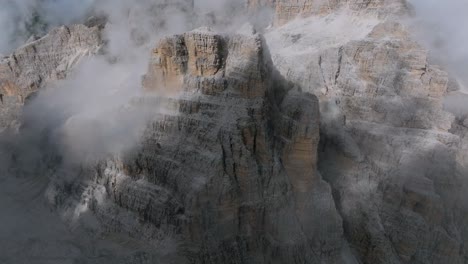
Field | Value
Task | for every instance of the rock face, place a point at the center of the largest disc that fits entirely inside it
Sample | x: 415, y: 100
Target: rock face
x: 228, y: 167
x: 30, y: 67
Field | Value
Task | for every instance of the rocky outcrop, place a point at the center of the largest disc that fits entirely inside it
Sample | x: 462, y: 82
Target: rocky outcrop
x: 31, y: 66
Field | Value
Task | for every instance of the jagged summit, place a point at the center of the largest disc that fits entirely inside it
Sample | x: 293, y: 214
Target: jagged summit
x: 210, y: 62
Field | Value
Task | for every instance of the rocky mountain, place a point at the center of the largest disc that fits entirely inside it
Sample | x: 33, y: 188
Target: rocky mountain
x: 322, y: 139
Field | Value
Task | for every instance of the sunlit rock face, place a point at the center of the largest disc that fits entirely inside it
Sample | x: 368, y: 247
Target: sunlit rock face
x: 40, y: 61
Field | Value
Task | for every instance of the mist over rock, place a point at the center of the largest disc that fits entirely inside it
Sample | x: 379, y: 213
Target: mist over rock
x: 321, y: 132
x: 41, y: 61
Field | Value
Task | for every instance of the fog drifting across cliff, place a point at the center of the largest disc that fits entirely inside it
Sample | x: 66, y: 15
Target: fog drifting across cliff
x: 99, y: 88
x: 78, y: 119
x: 93, y: 95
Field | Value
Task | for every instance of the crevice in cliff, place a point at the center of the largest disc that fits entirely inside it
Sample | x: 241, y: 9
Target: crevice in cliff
x: 328, y: 150
x: 424, y: 71
x: 340, y: 60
